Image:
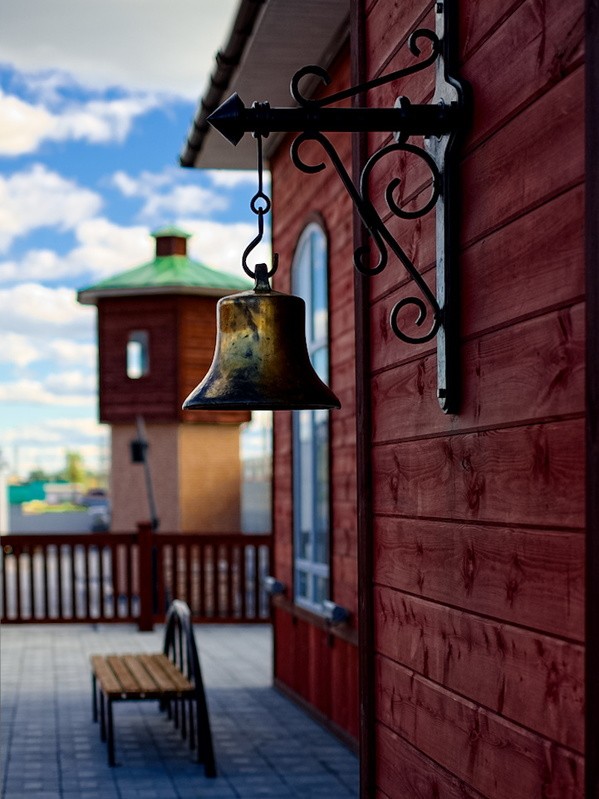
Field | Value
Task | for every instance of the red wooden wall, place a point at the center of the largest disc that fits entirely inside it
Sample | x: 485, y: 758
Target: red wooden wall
x: 318, y: 667
x: 478, y: 528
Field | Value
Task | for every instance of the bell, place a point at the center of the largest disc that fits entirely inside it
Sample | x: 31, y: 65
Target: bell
x: 261, y: 360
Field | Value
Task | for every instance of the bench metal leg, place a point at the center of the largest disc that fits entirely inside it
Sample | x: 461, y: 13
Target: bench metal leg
x: 183, y: 719
x: 102, y: 717
x: 110, y: 735
x: 192, y: 732
x: 94, y: 699
x: 205, y: 750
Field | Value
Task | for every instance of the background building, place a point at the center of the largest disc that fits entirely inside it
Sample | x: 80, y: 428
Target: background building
x: 156, y: 334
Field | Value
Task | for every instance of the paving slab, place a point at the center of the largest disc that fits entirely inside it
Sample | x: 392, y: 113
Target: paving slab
x: 265, y: 745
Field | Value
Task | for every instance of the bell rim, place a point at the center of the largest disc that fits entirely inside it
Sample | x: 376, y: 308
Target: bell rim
x: 219, y: 405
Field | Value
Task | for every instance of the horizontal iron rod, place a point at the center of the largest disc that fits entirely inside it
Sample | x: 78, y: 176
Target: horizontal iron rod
x: 233, y: 119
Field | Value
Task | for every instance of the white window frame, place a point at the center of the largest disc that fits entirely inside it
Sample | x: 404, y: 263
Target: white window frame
x: 317, y: 341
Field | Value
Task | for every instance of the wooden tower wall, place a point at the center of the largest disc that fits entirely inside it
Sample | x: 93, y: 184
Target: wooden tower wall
x: 182, y: 333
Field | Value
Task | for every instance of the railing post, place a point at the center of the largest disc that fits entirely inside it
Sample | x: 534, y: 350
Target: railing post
x: 146, y: 610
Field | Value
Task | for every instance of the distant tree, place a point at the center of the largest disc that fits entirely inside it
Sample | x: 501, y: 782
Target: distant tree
x: 74, y: 470
x: 40, y: 475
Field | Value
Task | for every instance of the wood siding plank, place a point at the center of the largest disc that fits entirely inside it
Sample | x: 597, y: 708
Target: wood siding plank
x: 528, y: 371
x: 534, y: 578
x: 403, y: 771
x: 494, y: 756
x: 525, y: 475
x: 532, y: 679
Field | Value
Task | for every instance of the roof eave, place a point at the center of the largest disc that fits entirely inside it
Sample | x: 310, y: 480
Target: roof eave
x: 91, y: 296
x: 270, y: 40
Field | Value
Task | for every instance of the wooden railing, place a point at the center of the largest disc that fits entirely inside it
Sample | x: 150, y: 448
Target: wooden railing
x: 125, y: 577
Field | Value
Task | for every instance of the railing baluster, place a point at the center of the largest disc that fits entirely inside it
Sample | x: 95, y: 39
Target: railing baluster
x: 173, y: 574
x: 4, y: 557
x: 256, y: 582
x: 160, y: 578
x: 30, y: 586
x: 114, y: 584
x: 129, y: 578
x: 59, y: 580
x: 242, y: 582
x: 18, y: 557
x: 215, y: 580
x: 230, y: 610
x: 102, y: 611
x: 188, y: 599
x: 85, y: 577
x: 202, y: 583
x: 46, y: 594
x: 71, y: 549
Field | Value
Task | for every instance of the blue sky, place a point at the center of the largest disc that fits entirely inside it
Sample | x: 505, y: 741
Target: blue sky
x: 96, y: 98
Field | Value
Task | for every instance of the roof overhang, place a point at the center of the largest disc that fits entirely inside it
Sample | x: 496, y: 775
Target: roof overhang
x: 91, y: 297
x: 270, y: 40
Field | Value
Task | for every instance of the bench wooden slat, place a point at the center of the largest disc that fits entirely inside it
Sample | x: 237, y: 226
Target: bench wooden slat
x: 146, y: 683
x: 174, y: 673
x: 105, y: 675
x: 127, y: 680
x: 164, y: 680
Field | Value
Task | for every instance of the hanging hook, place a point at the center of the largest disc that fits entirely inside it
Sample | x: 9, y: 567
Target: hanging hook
x: 260, y: 205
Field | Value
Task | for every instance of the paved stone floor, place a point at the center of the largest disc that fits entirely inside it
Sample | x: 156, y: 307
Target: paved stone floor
x: 265, y: 746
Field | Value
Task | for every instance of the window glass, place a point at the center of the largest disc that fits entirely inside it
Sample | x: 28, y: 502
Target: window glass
x: 138, y: 359
x: 311, y: 431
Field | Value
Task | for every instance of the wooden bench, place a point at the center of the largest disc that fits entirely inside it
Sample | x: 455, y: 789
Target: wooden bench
x: 172, y: 677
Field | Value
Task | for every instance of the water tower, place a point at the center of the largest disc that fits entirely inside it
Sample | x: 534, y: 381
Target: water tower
x: 156, y: 334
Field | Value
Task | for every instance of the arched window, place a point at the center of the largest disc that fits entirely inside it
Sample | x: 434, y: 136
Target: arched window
x: 311, y: 480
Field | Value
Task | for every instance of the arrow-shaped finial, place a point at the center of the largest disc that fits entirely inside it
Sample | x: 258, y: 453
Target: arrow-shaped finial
x: 227, y: 119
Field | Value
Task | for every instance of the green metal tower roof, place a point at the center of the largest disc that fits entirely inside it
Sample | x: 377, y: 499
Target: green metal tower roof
x: 166, y: 274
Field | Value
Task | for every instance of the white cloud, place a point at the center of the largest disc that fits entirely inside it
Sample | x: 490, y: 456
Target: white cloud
x: 18, y: 349
x: 37, y: 198
x: 144, y: 45
x: 56, y: 431
x: 103, y: 249
x: 34, y: 391
x: 183, y: 200
x: 44, y: 443
x: 68, y: 352
x: 145, y: 184
x: 220, y: 245
x: 24, y: 126
x: 232, y: 178
x: 166, y: 196
x: 23, y: 350
x: 72, y: 382
x: 33, y: 309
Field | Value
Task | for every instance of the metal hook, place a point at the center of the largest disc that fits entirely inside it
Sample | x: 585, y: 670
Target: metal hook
x: 260, y: 204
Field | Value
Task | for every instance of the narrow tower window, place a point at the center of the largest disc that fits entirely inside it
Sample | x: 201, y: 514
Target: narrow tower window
x: 138, y: 357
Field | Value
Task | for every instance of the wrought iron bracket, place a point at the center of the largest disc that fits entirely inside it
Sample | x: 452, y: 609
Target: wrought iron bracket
x: 441, y: 123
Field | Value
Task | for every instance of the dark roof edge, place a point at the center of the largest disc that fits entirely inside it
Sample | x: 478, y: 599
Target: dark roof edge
x: 91, y: 296
x: 227, y: 60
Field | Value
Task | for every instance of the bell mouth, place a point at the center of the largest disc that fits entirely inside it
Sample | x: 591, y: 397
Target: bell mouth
x: 261, y: 361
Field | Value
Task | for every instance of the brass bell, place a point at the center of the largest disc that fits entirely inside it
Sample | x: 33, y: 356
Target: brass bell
x: 261, y: 360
